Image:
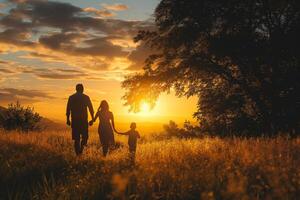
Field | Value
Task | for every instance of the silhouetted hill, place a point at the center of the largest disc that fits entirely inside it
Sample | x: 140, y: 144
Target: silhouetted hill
x: 49, y: 124
x: 2, y: 109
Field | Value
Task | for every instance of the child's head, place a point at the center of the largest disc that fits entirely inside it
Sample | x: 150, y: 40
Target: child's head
x: 133, y: 126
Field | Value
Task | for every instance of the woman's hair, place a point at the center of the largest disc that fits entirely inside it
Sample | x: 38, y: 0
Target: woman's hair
x: 103, y: 106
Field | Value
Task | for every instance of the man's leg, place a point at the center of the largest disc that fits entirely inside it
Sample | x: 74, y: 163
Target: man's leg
x: 83, y: 142
x: 76, y: 138
x: 77, y: 146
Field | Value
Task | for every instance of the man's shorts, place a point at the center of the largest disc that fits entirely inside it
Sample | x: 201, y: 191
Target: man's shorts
x: 80, y: 128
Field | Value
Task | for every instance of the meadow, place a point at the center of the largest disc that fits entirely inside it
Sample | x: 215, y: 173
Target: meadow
x: 43, y: 166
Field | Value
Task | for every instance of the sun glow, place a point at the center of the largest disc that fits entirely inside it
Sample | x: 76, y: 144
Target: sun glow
x: 146, y: 110
x: 145, y: 107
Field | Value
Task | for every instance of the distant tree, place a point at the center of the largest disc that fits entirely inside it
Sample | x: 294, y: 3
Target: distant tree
x: 172, y: 129
x: 16, y: 117
x: 241, y: 58
x: 188, y: 130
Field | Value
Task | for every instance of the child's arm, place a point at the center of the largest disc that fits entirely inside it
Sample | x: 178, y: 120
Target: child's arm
x: 124, y: 133
x: 138, y: 135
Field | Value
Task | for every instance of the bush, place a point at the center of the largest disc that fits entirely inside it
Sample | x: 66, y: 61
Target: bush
x: 188, y: 130
x: 17, y: 117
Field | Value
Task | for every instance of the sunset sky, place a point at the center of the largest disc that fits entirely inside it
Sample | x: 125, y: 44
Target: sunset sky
x: 46, y: 47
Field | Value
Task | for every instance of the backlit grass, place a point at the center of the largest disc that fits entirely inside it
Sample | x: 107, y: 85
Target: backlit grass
x: 43, y: 166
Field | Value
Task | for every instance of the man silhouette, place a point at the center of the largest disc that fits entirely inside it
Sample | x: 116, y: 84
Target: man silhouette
x: 77, y: 108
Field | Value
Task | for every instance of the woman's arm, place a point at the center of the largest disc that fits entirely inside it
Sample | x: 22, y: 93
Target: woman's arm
x: 113, y: 122
x: 94, y: 118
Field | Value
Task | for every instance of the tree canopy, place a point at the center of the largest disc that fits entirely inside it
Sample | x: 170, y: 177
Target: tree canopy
x: 240, y: 58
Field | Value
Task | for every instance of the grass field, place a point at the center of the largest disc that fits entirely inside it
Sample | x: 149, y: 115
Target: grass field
x: 43, y: 166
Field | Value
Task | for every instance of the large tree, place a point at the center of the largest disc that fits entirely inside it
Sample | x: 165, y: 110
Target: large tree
x: 241, y: 58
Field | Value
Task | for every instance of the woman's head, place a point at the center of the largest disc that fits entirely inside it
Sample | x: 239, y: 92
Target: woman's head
x: 104, y: 106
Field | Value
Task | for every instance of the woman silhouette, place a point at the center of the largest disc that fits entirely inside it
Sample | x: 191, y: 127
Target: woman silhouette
x: 106, y: 126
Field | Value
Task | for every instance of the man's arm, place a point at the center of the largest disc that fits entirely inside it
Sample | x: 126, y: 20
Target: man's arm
x: 68, y: 112
x: 90, y: 106
x: 138, y: 135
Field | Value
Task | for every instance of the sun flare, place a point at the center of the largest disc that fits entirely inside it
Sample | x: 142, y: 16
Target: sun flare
x: 145, y: 107
x: 146, y: 110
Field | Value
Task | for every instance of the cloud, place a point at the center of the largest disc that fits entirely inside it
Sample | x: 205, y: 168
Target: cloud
x: 99, y: 12
x: 115, y: 7
x: 52, y: 31
x: 58, y: 73
x: 44, y: 57
x: 59, y: 40
x: 14, y: 36
x: 67, y: 43
x: 2, y: 5
x: 26, y: 93
x: 63, y: 16
x: 59, y: 76
x: 69, y: 70
x: 48, y: 73
x: 6, y: 71
x: 7, y: 68
x: 101, y: 47
x: 3, y: 62
x: 23, y: 23
x: 9, y: 95
x: 138, y: 57
x: 7, y: 98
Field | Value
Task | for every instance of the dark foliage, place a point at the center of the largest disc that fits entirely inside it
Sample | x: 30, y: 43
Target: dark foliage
x: 241, y: 58
x: 16, y: 117
x: 188, y: 130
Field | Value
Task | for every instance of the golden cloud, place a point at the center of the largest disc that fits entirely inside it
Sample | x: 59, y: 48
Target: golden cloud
x: 115, y: 7
x: 99, y: 12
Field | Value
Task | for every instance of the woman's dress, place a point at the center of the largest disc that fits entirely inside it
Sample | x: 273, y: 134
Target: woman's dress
x: 105, y: 130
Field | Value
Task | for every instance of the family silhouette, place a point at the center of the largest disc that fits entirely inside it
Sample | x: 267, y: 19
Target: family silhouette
x: 77, y: 117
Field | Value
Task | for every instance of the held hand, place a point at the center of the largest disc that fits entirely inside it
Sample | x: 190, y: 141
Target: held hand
x: 68, y: 122
x: 91, y: 122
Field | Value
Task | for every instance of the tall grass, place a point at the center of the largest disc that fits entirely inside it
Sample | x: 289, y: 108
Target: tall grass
x: 43, y: 166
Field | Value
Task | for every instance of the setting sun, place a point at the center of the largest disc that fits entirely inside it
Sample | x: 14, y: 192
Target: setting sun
x: 145, y: 107
x: 146, y: 110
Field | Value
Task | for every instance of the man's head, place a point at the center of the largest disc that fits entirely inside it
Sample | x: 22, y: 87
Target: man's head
x: 79, y: 88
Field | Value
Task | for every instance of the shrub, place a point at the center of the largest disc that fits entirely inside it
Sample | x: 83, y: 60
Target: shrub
x: 17, y: 117
x: 188, y: 130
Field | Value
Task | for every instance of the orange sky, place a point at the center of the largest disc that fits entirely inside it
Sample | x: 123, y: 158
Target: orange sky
x: 168, y: 107
x: 44, y: 54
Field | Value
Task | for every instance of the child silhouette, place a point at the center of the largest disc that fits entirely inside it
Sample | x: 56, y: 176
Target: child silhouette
x: 133, y: 135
